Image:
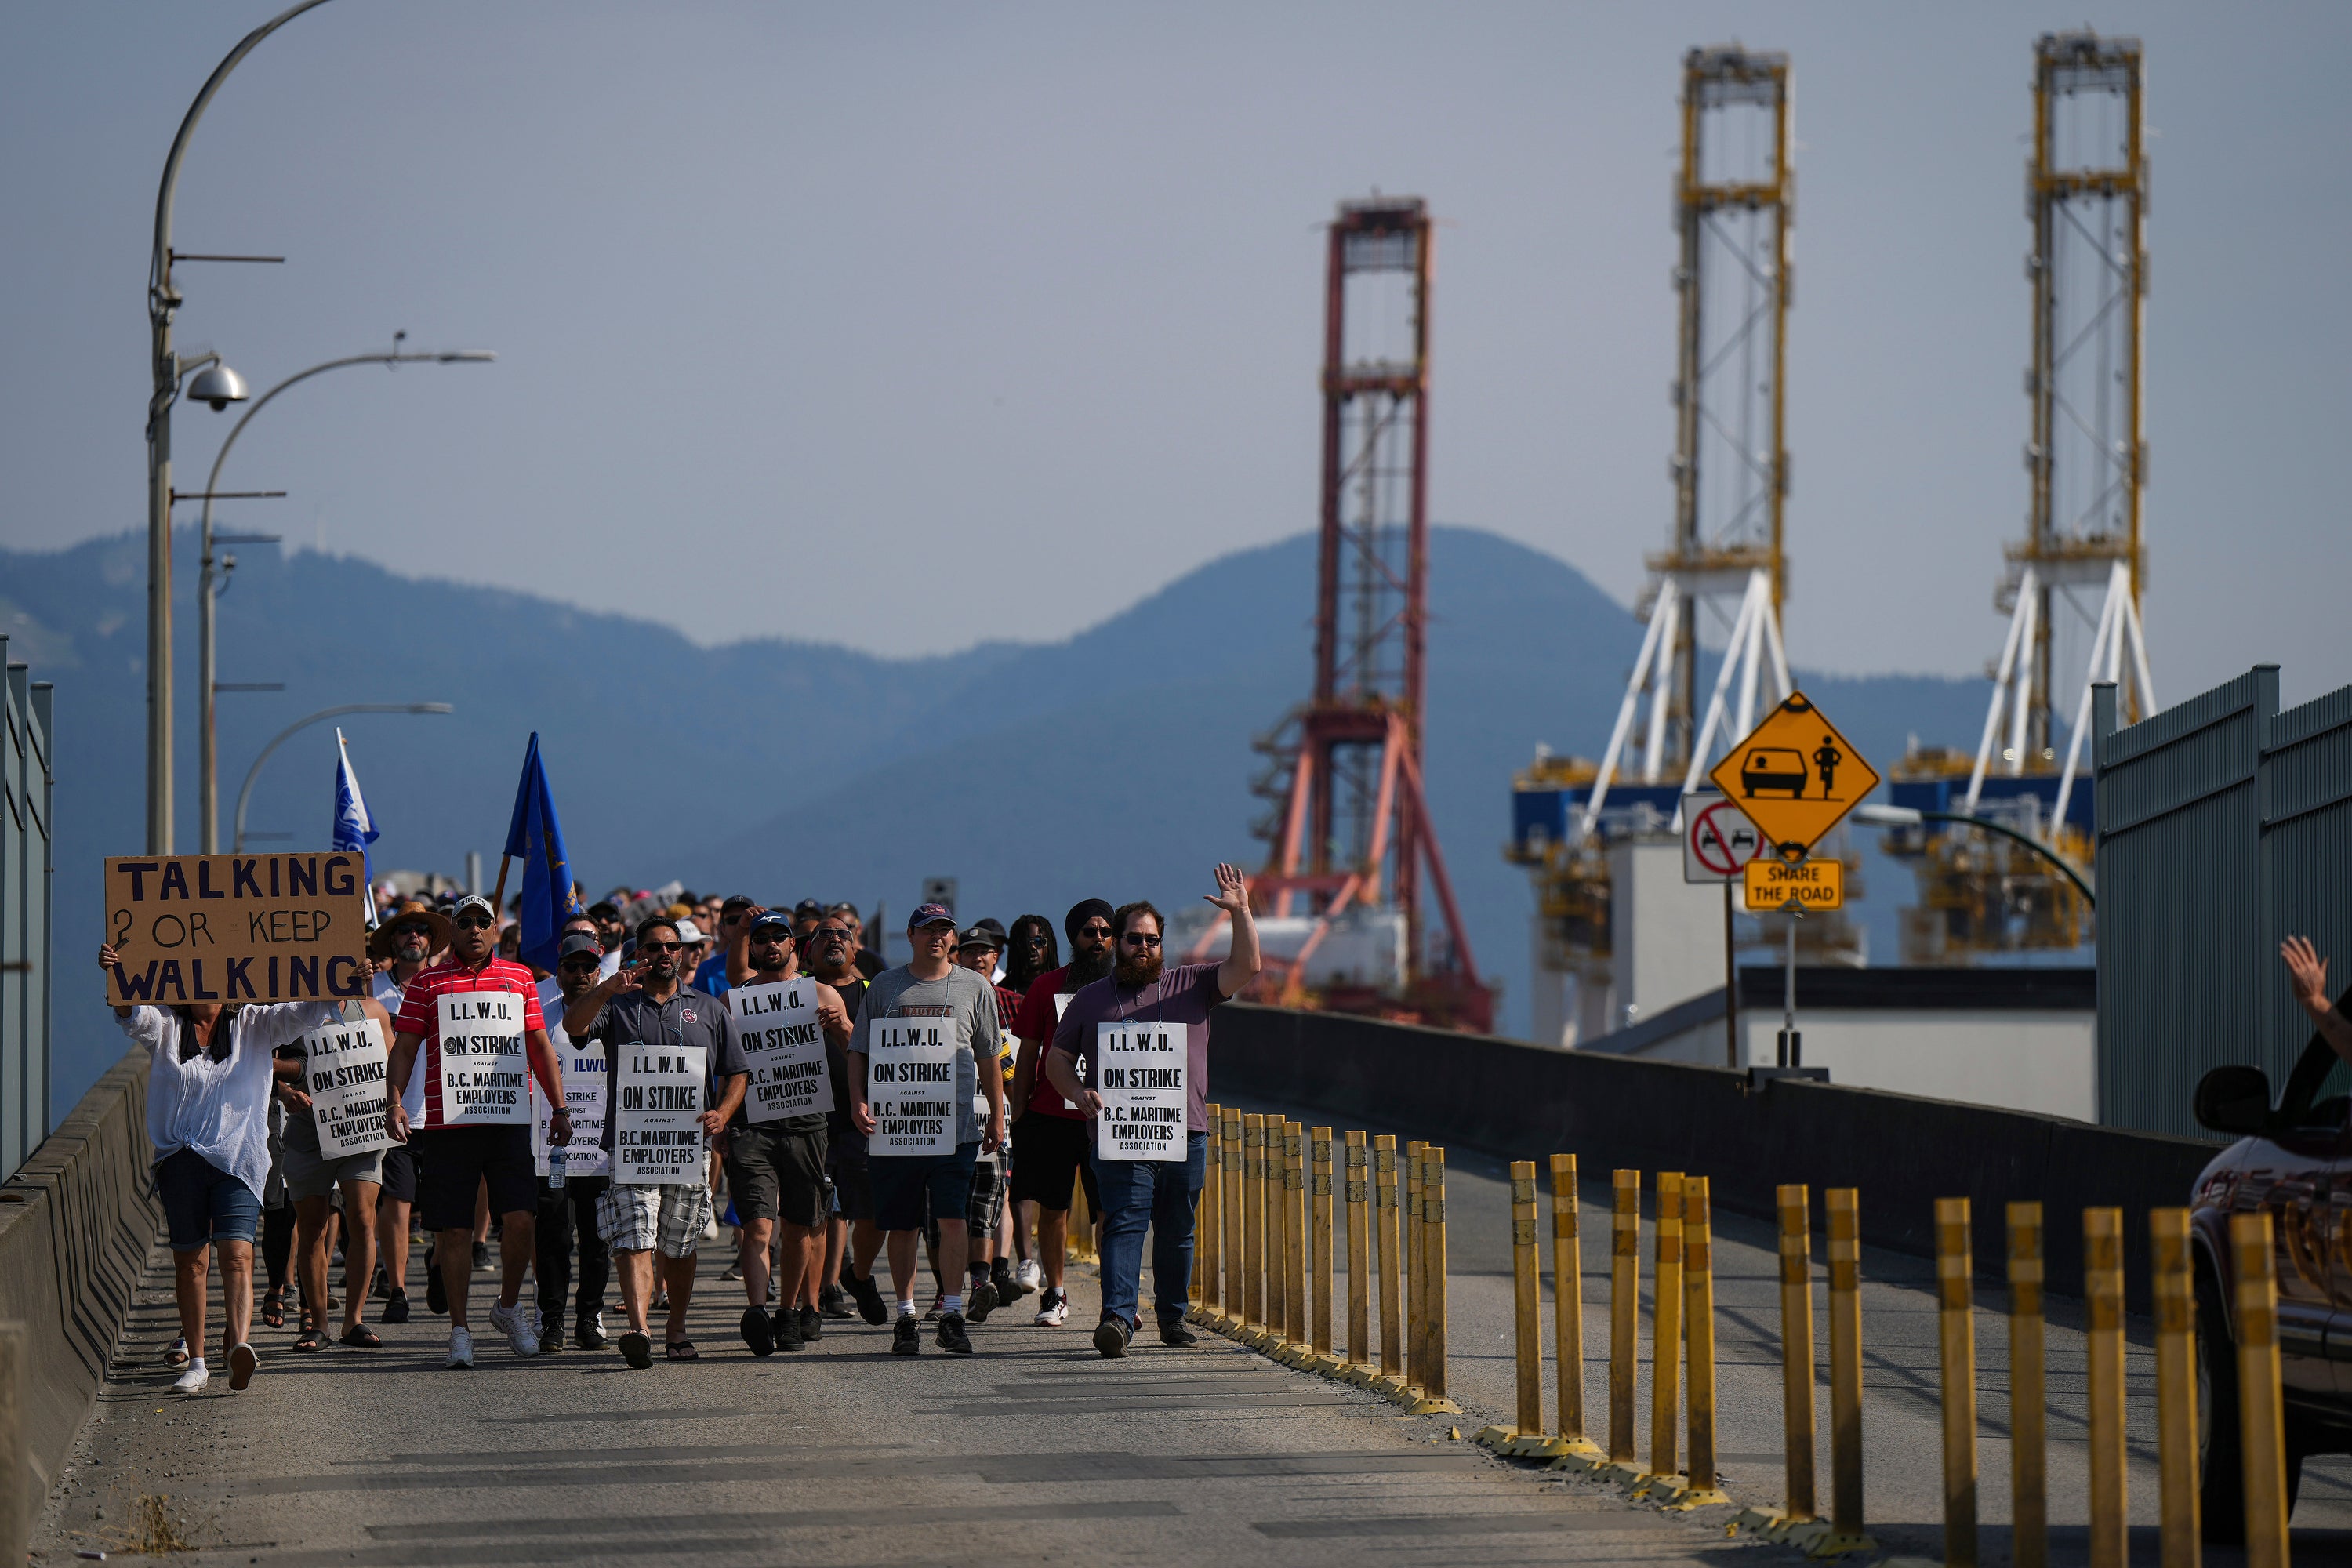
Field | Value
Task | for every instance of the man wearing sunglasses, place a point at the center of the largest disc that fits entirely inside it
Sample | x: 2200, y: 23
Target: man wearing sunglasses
x: 734, y: 915
x: 1158, y: 1194
x: 455, y: 1159
x: 868, y: 961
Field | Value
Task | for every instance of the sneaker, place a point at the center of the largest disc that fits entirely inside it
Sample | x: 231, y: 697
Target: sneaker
x: 952, y: 1338
x: 193, y: 1381
x: 868, y: 1295
x: 1177, y: 1335
x: 461, y: 1346
x: 636, y: 1349
x: 395, y: 1309
x: 661, y: 1299
x: 939, y: 1300
x: 734, y: 1272
x: 437, y: 1294
x: 1009, y: 1288
x: 812, y: 1325
x: 1029, y: 1276
x: 906, y: 1336
x: 242, y: 1365
x: 1053, y: 1310
x: 1110, y: 1338
x: 381, y: 1287
x: 589, y: 1334
x: 981, y: 1301
x: 515, y: 1323
x: 481, y: 1258
x: 757, y: 1334
x: 833, y: 1301
x: 784, y: 1330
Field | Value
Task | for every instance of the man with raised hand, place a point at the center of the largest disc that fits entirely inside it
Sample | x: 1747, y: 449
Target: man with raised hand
x: 917, y: 1034
x: 646, y: 1006
x: 1155, y: 1194
x: 482, y: 1138
x: 775, y: 1168
x: 400, y: 948
x: 1052, y: 1130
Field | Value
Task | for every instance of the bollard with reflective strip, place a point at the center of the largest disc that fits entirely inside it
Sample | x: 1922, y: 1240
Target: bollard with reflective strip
x: 2103, y: 1303
x: 1319, y: 1261
x: 1433, y: 1292
x: 1253, y: 1220
x: 1359, y: 1258
x: 1624, y: 1310
x: 1667, y: 1325
x: 2262, y: 1423
x: 1409, y: 1255
x: 1293, y: 1231
x: 2029, y: 1452
x: 1956, y: 1316
x: 1384, y: 1187
x: 1796, y: 1351
x: 1568, y: 1304
x: 1846, y: 1366
x: 1526, y: 1291
x: 2176, y: 1387
x: 1698, y: 1319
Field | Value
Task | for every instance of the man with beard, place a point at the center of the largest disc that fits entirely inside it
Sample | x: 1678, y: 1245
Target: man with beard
x: 1052, y: 1131
x: 646, y: 1005
x: 829, y: 955
x: 1160, y: 1194
x: 400, y: 948
x: 775, y: 1170
x: 869, y: 963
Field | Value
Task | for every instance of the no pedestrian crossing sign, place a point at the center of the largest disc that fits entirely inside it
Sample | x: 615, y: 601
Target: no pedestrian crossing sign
x: 1717, y: 840
x: 1795, y: 776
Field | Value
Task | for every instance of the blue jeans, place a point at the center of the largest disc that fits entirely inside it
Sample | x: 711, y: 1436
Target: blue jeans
x: 1162, y: 1195
x: 204, y: 1203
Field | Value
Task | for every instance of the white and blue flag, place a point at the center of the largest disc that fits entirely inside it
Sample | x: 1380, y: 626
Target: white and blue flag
x: 355, y: 826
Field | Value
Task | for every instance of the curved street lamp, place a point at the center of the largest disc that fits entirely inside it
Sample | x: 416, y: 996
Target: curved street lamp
x: 208, y: 582
x: 285, y: 734
x: 220, y: 387
x: 1904, y: 817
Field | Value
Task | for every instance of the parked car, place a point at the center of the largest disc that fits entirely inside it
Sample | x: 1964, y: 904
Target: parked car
x: 2294, y: 1158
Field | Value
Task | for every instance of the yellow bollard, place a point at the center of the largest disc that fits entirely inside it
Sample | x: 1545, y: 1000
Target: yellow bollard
x: 1359, y: 1259
x: 1204, y: 1228
x: 2102, y: 1303
x: 1081, y: 1244
x: 1277, y: 1301
x: 1384, y: 1174
x: 1956, y: 1317
x: 1433, y: 1292
x: 1846, y: 1366
x: 1253, y: 1220
x: 1699, y: 1318
x: 1319, y: 1259
x: 2176, y: 1387
x: 1797, y: 1350
x: 1527, y: 1287
x: 1624, y: 1311
x: 1408, y: 1256
x: 1568, y: 1303
x: 1294, y: 1233
x: 2029, y: 1452
x: 1666, y: 1324
x: 1235, y: 1257
x: 2261, y: 1423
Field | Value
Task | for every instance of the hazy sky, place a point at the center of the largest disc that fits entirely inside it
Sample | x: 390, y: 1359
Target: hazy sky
x: 910, y: 325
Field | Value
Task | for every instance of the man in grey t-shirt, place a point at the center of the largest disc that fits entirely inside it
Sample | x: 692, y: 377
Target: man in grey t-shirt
x: 948, y: 1010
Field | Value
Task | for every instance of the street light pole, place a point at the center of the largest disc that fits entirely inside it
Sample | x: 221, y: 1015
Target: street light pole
x: 163, y: 305
x: 208, y: 580
x: 298, y: 725
x: 1904, y: 817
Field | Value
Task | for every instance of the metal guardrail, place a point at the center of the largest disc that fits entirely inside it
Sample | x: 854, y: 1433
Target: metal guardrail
x: 27, y: 784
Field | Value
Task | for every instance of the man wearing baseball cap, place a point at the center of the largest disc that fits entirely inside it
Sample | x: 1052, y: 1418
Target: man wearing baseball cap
x: 929, y: 994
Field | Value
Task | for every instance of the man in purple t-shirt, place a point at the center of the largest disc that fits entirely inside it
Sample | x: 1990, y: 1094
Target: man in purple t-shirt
x: 1140, y: 1192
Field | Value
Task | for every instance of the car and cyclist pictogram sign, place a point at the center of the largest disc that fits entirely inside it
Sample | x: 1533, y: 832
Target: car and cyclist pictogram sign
x: 1795, y: 776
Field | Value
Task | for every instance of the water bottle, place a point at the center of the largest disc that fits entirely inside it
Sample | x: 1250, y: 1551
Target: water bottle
x: 555, y: 1160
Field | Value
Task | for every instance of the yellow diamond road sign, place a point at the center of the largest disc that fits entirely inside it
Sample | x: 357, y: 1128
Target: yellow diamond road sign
x: 1795, y: 776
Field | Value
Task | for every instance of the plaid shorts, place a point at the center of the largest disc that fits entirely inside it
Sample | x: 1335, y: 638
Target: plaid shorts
x: 670, y: 1217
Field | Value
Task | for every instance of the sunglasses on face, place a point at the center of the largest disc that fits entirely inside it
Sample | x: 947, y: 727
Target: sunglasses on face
x: 772, y: 939
x: 573, y: 964
x: 472, y: 922
x: 1139, y: 939
x: 1099, y: 932
x: 412, y: 929
x: 828, y: 936
x: 659, y: 946
x: 1036, y: 939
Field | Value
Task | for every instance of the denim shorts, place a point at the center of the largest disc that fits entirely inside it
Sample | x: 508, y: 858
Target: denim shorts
x: 204, y: 1203
x: 902, y: 1181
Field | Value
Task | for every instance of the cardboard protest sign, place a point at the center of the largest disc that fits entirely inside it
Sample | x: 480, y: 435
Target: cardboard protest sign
x: 657, y: 1097
x: 583, y: 1095
x: 1140, y: 1073
x: 348, y: 1076
x: 235, y: 928
x: 776, y: 1026
x: 910, y: 1083
x: 484, y: 1075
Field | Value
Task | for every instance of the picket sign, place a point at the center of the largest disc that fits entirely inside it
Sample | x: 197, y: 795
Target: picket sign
x: 1140, y: 1073
x: 777, y: 1028
x: 347, y: 1073
x: 657, y: 1098
x: 584, y: 1096
x: 485, y: 1079
x: 910, y: 1081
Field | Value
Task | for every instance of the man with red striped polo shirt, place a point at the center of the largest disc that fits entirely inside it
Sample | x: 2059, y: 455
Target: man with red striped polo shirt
x: 471, y: 1023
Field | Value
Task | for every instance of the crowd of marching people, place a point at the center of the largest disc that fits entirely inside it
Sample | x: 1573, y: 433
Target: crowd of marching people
x: 843, y: 1205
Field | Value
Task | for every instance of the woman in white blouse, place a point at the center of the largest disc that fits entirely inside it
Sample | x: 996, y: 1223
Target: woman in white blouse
x: 208, y: 1118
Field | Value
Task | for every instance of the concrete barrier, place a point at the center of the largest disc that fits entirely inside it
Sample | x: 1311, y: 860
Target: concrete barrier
x: 1521, y: 1101
x: 76, y: 1223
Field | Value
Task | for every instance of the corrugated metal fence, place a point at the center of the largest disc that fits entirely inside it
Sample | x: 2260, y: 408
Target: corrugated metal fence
x: 26, y: 783
x: 2223, y: 826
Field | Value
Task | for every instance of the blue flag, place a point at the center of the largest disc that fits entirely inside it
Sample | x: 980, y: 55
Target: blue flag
x: 536, y: 838
x: 356, y: 828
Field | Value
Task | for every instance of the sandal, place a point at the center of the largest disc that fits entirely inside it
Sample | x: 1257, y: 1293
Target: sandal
x: 680, y: 1350
x: 273, y: 1307
x: 310, y: 1338
x: 359, y: 1337
x: 177, y: 1354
